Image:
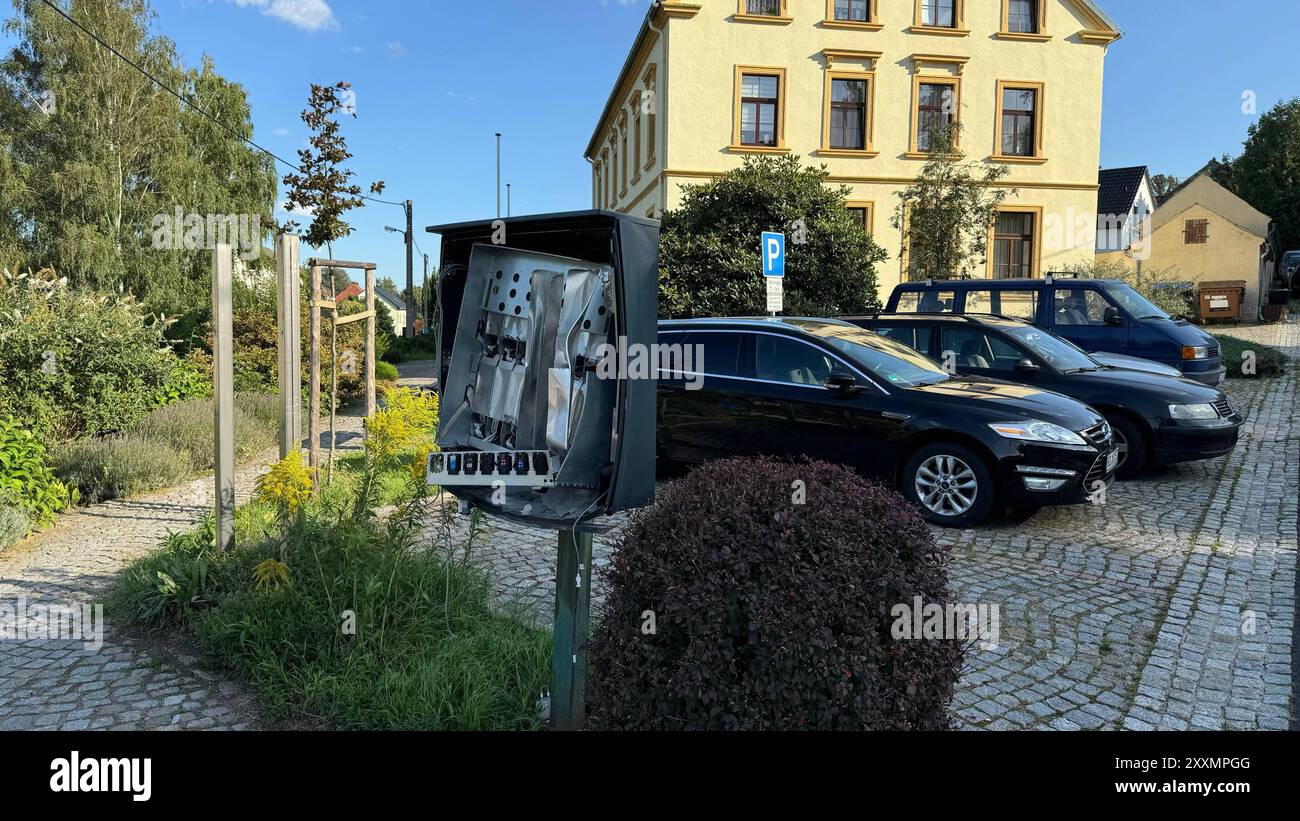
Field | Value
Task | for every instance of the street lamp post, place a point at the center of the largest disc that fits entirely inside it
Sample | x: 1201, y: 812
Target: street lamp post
x: 498, y: 136
x: 409, y: 237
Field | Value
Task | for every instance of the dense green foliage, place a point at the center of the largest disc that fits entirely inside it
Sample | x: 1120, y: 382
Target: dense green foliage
x: 709, y: 256
x: 734, y: 603
x: 92, y: 151
x: 404, y: 349
x: 25, y: 478
x: 1268, y: 362
x: 76, y: 363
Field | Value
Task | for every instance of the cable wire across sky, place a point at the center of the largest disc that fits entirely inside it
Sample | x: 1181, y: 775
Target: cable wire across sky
x: 190, y: 103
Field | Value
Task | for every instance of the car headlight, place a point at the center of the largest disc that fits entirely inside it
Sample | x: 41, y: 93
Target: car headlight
x: 1193, y: 412
x: 1034, y: 430
x: 1196, y: 352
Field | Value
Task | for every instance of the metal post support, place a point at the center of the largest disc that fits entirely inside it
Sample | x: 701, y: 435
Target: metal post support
x: 223, y: 395
x: 572, y: 614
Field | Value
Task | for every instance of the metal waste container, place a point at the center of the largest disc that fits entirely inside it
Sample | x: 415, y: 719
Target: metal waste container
x: 1221, y: 299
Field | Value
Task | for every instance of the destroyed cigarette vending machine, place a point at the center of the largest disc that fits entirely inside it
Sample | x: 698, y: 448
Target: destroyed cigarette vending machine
x: 531, y: 427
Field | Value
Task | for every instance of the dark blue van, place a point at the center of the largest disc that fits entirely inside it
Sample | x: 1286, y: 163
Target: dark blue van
x: 1104, y: 315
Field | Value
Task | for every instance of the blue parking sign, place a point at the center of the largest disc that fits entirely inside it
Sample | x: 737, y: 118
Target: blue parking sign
x: 773, y: 254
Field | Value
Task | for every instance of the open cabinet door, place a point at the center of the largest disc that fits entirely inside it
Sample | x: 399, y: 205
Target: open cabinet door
x: 541, y: 420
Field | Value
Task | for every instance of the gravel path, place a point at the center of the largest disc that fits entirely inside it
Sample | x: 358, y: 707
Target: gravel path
x: 64, y: 684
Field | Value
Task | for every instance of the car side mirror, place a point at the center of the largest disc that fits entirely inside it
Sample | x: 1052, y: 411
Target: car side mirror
x: 844, y: 382
x: 1026, y: 365
x: 1112, y: 317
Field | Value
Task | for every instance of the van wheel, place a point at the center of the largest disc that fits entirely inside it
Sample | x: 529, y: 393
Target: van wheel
x: 950, y: 484
x: 1132, y: 444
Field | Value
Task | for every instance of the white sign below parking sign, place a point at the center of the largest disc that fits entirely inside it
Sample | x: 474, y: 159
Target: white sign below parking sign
x: 775, y: 295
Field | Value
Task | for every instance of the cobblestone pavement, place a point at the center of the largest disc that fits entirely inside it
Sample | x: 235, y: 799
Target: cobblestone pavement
x: 1170, y: 606
x: 122, y: 685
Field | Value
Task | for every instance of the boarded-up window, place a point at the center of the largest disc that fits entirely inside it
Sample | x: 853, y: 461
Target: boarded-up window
x: 1196, y: 232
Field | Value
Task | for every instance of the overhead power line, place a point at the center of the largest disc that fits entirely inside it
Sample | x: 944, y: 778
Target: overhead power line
x: 189, y: 102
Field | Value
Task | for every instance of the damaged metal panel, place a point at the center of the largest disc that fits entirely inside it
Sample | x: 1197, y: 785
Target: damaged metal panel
x: 527, y: 324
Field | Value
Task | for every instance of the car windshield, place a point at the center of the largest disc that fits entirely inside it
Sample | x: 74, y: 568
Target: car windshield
x: 894, y: 362
x: 1138, y: 306
x: 1053, y: 350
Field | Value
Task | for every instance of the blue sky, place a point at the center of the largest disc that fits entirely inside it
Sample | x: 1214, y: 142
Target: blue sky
x: 435, y: 78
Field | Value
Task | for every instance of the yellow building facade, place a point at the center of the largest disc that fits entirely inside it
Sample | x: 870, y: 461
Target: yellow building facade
x: 859, y: 86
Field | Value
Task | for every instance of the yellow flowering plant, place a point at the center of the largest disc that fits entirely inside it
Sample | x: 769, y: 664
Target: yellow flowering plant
x: 407, y: 423
x: 287, y: 485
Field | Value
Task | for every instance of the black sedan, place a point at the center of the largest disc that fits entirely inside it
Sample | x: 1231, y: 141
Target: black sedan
x: 1157, y: 419
x: 955, y: 446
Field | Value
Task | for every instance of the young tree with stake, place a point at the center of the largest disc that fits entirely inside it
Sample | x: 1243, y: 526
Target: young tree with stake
x: 324, y: 189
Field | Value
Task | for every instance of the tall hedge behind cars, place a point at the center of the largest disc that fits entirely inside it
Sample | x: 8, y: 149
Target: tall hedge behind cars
x: 757, y: 594
x: 78, y: 363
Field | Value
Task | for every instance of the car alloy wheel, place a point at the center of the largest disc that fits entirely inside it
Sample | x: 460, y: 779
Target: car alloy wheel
x: 1131, y: 442
x: 946, y: 485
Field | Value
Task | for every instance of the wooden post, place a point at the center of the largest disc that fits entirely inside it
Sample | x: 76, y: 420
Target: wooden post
x: 223, y: 395
x: 370, y: 343
x: 313, y: 412
x: 290, y: 347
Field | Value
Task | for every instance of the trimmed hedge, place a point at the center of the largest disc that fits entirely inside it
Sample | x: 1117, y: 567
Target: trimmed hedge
x: 768, y: 613
x: 1268, y: 361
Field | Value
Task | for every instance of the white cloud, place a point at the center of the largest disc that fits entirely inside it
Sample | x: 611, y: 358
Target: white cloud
x: 309, y: 15
x: 281, y: 132
x: 396, y: 49
x: 295, y: 212
x: 354, y: 50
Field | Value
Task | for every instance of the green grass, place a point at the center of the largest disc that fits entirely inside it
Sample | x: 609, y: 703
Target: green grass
x: 429, y: 651
x: 1269, y: 362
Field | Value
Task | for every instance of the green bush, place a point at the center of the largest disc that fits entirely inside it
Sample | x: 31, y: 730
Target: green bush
x: 76, y: 363
x: 1268, y: 361
x: 385, y: 371
x: 189, y: 426
x: 709, y: 247
x: 404, y: 349
x: 1160, y: 285
x: 119, y: 466
x: 262, y: 408
x: 14, y: 523
x: 772, y: 612
x: 25, y: 478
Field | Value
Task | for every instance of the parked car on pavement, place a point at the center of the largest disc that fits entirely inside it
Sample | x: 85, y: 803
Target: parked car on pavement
x: 1095, y: 314
x: 1288, y: 270
x: 826, y: 389
x: 1157, y: 420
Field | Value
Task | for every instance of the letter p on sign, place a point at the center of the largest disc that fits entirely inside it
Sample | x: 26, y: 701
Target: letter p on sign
x: 773, y: 254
